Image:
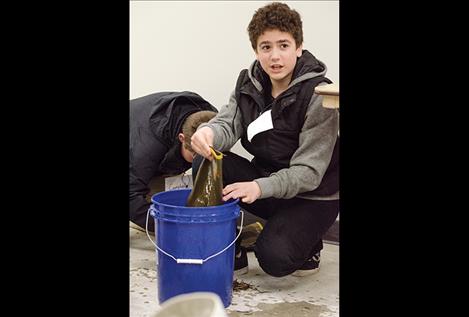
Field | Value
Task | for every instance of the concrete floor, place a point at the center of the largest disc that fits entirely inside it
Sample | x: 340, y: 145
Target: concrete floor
x: 313, y: 296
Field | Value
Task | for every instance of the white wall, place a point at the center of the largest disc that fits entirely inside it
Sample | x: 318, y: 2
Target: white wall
x: 202, y: 46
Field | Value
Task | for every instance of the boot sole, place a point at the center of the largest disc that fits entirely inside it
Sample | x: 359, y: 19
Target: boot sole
x: 301, y: 273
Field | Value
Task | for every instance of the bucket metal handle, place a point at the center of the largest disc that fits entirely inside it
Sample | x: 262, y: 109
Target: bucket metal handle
x: 194, y: 261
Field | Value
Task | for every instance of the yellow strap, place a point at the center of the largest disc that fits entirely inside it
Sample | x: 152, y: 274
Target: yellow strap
x: 216, y: 154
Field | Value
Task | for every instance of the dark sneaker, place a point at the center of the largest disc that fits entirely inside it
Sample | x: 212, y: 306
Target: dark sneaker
x: 310, y: 267
x: 241, y: 262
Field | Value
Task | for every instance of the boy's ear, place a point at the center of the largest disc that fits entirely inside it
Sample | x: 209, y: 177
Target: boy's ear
x: 299, y: 50
x: 181, y: 137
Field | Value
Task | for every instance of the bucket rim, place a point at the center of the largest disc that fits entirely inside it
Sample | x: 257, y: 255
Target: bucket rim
x: 228, y: 203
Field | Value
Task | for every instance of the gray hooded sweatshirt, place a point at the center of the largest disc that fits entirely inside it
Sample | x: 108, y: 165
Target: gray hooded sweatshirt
x: 316, y: 143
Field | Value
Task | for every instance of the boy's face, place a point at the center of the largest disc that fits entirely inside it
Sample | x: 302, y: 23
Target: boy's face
x: 187, y: 154
x: 277, y: 53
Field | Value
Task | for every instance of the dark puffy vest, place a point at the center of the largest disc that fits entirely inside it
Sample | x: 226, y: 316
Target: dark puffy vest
x: 273, y: 149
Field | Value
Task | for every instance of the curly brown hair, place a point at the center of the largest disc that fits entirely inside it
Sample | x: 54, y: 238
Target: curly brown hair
x: 278, y: 16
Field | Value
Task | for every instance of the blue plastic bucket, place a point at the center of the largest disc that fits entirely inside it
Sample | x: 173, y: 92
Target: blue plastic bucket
x: 195, y: 245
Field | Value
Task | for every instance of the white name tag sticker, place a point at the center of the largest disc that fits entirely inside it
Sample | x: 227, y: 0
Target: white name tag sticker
x: 261, y: 124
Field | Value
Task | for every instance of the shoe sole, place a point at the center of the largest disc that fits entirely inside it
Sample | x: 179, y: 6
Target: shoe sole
x: 301, y: 273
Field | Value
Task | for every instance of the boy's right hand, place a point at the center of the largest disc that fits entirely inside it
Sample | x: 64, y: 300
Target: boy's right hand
x: 201, y: 142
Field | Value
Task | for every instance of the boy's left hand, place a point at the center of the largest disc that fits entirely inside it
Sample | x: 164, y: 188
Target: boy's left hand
x: 247, y: 192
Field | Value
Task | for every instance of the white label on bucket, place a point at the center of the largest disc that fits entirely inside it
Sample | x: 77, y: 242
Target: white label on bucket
x: 179, y: 181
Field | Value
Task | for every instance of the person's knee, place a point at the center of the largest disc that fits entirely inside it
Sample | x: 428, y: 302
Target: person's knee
x: 275, y: 259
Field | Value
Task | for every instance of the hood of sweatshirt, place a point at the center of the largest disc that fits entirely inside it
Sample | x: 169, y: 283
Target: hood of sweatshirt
x: 307, y: 66
x: 171, y: 110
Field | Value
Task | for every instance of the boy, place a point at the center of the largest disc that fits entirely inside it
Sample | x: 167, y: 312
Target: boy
x: 292, y: 181
x: 161, y: 126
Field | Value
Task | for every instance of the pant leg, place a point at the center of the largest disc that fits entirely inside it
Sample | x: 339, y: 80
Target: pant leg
x: 294, y: 227
x: 293, y: 233
x: 144, y: 160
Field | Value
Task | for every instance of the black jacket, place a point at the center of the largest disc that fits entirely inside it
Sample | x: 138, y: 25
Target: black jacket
x: 273, y: 149
x: 160, y: 116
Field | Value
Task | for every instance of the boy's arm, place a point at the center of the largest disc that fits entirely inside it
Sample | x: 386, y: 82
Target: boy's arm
x: 226, y: 125
x: 310, y: 161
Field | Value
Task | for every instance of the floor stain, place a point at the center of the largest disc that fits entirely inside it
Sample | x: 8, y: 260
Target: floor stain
x: 242, y: 286
x: 297, y: 309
